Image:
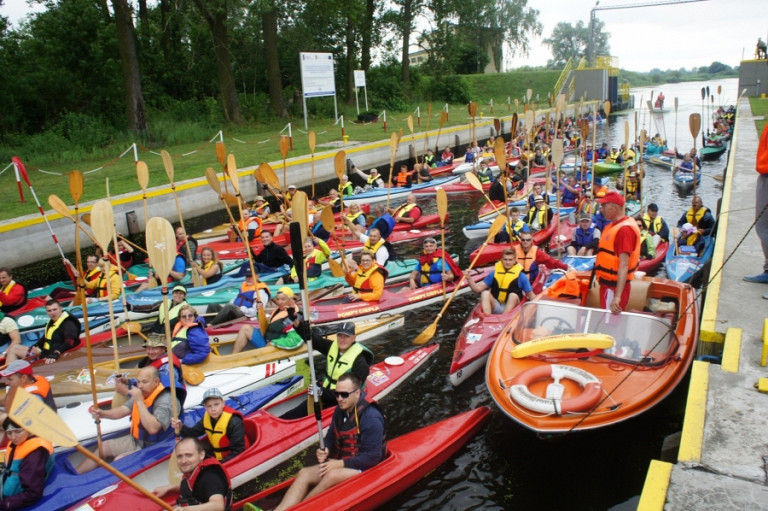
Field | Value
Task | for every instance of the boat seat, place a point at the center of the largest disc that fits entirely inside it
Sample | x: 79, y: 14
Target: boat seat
x: 639, y: 295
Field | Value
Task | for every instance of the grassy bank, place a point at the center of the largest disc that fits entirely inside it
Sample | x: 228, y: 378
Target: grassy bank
x: 760, y: 111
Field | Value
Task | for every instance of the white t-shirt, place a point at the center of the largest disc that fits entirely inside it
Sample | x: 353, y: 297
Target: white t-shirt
x: 7, y: 325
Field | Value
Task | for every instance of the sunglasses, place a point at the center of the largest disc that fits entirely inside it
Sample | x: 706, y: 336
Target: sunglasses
x: 343, y: 395
x: 526, y: 239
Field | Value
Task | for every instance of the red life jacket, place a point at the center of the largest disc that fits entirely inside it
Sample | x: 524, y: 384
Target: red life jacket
x: 187, y: 485
x: 217, y: 433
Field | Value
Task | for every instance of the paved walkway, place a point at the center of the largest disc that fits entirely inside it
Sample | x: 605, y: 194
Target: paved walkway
x: 724, y: 447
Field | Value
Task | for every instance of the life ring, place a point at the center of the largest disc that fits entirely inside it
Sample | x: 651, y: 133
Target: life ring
x: 589, y: 397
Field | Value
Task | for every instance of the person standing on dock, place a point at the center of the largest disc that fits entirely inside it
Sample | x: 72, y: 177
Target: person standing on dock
x: 618, y: 253
x: 761, y: 205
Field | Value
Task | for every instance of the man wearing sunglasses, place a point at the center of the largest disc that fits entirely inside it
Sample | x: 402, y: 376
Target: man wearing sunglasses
x: 354, y: 442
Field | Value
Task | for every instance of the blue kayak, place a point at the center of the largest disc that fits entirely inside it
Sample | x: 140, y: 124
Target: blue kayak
x: 684, y: 267
x: 66, y: 487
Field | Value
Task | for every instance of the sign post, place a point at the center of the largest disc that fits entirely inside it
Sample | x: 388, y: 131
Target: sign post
x: 317, y: 79
x: 360, y: 82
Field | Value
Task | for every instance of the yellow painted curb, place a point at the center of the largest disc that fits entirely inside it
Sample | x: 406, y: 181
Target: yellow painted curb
x: 654, y: 493
x: 732, y: 350
x: 695, y: 414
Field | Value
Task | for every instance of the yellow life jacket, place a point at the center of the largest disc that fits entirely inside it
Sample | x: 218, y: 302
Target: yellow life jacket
x: 403, y: 210
x: 52, y: 328
x: 504, y: 281
x: 337, y: 365
x: 695, y: 218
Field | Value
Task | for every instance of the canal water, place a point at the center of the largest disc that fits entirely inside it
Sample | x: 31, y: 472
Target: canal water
x: 506, y: 466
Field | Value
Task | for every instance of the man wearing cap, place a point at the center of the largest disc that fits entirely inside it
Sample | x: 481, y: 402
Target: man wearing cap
x: 61, y: 333
x: 281, y: 328
x: 19, y: 374
x: 408, y: 213
x: 503, y: 288
x: 372, y: 179
x: 222, y: 425
x: 178, y: 300
x: 539, y: 216
x: 204, y: 483
x: 253, y: 295
x: 28, y: 462
x: 344, y: 355
x: 586, y: 237
x: 618, y: 253
x: 354, y: 443
x: 157, y: 357
x: 699, y: 216
x: 434, y: 266
x: 272, y: 257
x: 656, y: 225
x: 149, y: 406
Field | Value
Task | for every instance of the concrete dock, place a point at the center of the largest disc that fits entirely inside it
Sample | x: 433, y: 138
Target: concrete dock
x: 723, y: 456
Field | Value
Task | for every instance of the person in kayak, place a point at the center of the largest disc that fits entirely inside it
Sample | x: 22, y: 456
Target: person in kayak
x: 222, y: 425
x: 699, y: 216
x: 19, y: 374
x: 189, y: 339
x: 283, y: 328
x: 372, y: 179
x: 253, y: 295
x: 656, y: 225
x: 382, y: 221
x: 434, y: 266
x: 61, y: 333
x: 272, y: 257
x: 149, y: 406
x: 585, y: 237
x: 354, y: 443
x: 28, y: 463
x: 204, y: 483
x: 407, y: 213
x: 503, y: 288
x: 373, y: 242
x: 367, y: 280
x: 12, y: 294
x: 178, y: 300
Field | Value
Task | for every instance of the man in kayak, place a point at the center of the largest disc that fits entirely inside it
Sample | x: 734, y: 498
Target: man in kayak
x: 617, y: 254
x: 699, y: 216
x: 19, y: 374
x: 354, y: 443
x: 157, y: 357
x: 656, y: 225
x: 253, y: 295
x: 372, y: 179
x: 221, y: 424
x: 272, y: 257
x: 12, y: 294
x: 204, y: 484
x: 61, y: 333
x: 530, y: 257
x: 373, y: 242
x: 150, y: 409
x: 503, y: 288
x: 434, y: 266
x: 344, y: 355
x: 512, y: 229
x: 383, y: 221
x: 408, y: 213
x: 585, y: 237
x: 540, y: 216
x: 178, y: 300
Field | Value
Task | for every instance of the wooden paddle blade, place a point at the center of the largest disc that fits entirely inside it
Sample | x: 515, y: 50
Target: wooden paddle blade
x: 500, y: 153
x: 336, y: 269
x: 76, y: 185
x: 221, y: 153
x: 270, y: 178
x: 38, y: 418
x: 86, y: 218
x: 192, y: 375
x: 626, y: 134
x: 102, y: 223
x: 161, y: 246
x: 340, y: 164
x: 694, y: 123
x: 230, y: 199
x: 473, y: 109
x: 393, y: 141
x: 327, y: 219
x: 312, y: 140
x: 167, y: 164
x: 497, y: 125
x: 442, y: 205
x: 426, y: 335
x: 495, y: 227
x: 607, y: 108
x: 213, y: 180
x: 410, y: 123
x: 232, y: 172
x: 300, y: 212
x: 284, y: 144
x: 474, y: 181
x: 529, y: 123
x: 557, y: 152
x: 513, y: 128
x: 58, y: 205
x: 584, y: 131
x: 142, y: 174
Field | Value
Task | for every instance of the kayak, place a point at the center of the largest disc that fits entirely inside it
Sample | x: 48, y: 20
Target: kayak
x: 603, y: 168
x: 64, y: 487
x: 408, y: 459
x: 422, y: 222
x: 685, y: 179
x: 272, y: 440
x: 493, y: 251
x: 711, y: 153
x: 686, y: 267
x: 660, y: 160
x: 397, y: 193
x: 395, y: 299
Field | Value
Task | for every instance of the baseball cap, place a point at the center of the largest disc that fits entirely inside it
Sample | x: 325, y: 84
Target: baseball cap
x: 292, y: 186
x: 155, y: 341
x: 17, y: 367
x: 179, y: 287
x: 259, y: 198
x: 287, y: 291
x: 212, y: 393
x: 612, y: 197
x: 538, y: 198
x: 347, y: 328
x: 584, y: 216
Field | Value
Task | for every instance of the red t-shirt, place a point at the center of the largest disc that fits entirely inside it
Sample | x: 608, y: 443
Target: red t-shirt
x: 625, y: 242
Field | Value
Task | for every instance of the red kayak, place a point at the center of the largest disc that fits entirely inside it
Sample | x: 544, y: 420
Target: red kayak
x: 478, y: 334
x: 559, y: 241
x: 649, y: 266
x: 492, y: 252
x: 421, y: 223
x: 409, y: 458
x: 396, y: 299
x: 272, y: 440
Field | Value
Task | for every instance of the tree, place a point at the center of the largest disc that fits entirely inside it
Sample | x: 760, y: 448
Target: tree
x: 135, y: 109
x: 215, y: 15
x: 272, y: 57
x: 569, y: 41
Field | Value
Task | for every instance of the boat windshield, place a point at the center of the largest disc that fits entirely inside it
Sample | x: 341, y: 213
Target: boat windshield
x: 638, y: 337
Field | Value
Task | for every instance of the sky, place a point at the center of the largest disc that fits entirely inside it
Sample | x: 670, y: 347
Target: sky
x: 664, y: 36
